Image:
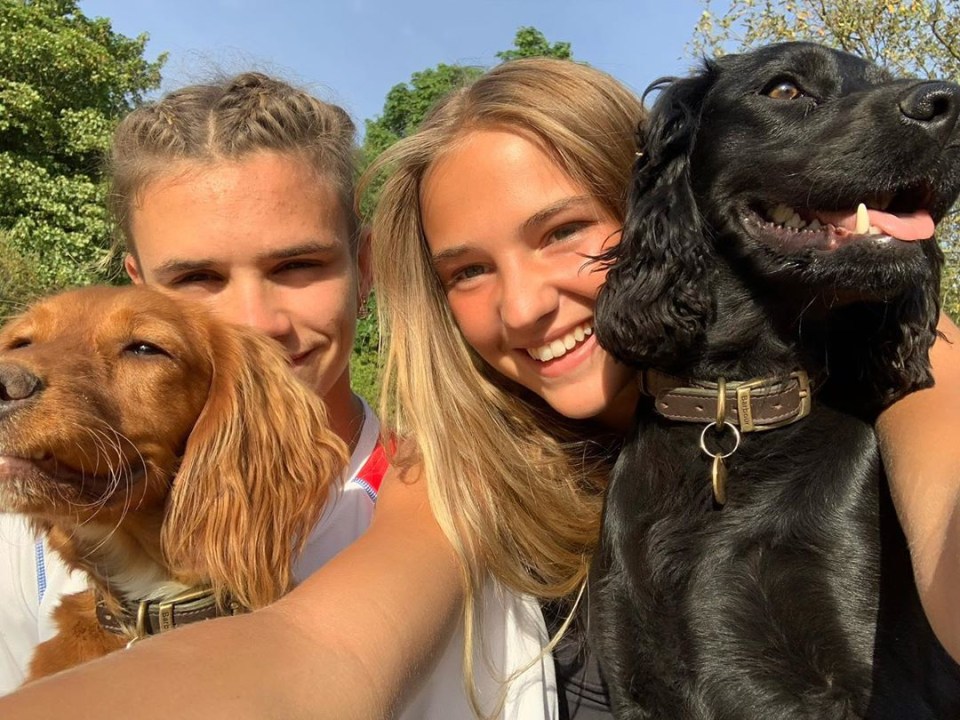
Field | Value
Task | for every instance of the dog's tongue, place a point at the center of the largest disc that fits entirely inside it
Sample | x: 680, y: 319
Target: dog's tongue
x: 917, y: 225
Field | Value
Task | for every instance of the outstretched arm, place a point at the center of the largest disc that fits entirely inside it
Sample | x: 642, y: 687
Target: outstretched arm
x: 353, y: 641
x: 920, y: 443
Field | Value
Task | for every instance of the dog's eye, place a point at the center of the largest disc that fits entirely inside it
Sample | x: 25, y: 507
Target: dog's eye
x: 18, y: 343
x: 142, y: 348
x: 783, y: 90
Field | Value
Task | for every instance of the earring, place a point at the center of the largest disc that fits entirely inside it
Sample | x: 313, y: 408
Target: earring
x: 363, y: 309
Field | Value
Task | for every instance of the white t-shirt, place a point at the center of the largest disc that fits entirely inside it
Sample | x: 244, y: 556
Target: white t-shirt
x: 32, y: 579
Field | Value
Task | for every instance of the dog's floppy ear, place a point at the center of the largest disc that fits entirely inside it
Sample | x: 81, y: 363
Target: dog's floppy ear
x: 657, y: 298
x: 890, y: 341
x: 255, y: 473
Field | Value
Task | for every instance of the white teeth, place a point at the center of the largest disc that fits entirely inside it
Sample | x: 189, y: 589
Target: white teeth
x: 780, y: 214
x: 863, y: 220
x: 795, y: 222
x: 561, y: 346
x: 874, y: 230
x: 814, y: 225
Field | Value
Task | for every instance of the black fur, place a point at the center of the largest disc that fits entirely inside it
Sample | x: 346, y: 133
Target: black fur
x: 796, y: 599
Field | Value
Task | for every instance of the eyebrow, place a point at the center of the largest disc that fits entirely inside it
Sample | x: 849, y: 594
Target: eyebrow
x: 538, y: 218
x: 176, y: 266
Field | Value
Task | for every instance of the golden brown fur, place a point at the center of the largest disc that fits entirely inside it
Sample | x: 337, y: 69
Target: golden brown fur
x: 157, y: 449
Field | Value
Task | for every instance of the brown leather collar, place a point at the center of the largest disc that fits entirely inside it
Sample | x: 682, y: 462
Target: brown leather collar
x: 751, y: 405
x: 150, y: 617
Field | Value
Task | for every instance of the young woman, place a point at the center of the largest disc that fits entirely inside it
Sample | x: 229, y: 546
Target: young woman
x: 482, y: 239
x: 480, y: 245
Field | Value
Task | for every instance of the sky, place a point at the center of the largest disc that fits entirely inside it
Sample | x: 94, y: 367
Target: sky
x: 352, y: 52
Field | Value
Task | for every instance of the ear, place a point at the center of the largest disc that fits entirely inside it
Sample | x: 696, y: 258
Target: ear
x: 657, y: 300
x: 891, y: 339
x: 255, y: 473
x: 132, y: 267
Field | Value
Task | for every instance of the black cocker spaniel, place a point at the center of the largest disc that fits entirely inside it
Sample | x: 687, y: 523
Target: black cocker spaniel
x: 776, y: 286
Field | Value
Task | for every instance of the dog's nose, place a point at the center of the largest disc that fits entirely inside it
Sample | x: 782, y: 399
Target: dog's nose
x: 934, y: 105
x: 17, y: 384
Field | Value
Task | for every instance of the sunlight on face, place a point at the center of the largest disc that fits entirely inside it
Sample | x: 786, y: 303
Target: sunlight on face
x: 264, y: 242
x: 511, y: 236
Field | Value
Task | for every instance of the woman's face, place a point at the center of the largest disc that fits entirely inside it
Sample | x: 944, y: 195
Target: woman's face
x: 265, y: 243
x: 511, y: 235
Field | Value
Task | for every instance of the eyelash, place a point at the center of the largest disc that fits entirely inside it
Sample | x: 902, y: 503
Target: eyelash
x: 459, y: 275
x: 572, y: 228
x: 193, y: 278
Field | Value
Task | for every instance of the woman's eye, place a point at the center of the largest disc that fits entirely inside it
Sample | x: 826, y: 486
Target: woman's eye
x: 784, y: 90
x: 467, y: 273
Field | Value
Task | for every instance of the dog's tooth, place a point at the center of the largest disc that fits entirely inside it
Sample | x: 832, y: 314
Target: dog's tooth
x: 794, y: 221
x: 863, y: 220
x: 874, y: 230
x: 814, y: 225
x: 780, y: 214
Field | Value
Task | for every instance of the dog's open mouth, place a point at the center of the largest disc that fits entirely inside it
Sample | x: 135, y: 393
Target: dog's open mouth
x: 899, y: 216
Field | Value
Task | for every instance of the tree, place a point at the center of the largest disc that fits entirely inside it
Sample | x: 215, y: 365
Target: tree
x: 530, y: 42
x: 65, y: 80
x: 910, y: 37
x: 404, y: 109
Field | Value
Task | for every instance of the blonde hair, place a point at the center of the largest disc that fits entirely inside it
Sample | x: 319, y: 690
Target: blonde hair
x: 516, y: 487
x: 229, y: 120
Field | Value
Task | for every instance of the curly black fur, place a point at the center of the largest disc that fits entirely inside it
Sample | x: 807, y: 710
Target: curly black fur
x: 796, y: 600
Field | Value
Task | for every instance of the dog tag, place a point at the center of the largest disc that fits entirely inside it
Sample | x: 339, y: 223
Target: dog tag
x: 719, y: 477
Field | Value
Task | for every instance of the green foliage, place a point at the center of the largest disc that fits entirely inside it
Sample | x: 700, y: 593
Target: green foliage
x: 18, y: 280
x: 65, y: 80
x: 404, y: 109
x: 408, y: 103
x: 910, y: 37
x: 530, y: 42
x: 364, y: 363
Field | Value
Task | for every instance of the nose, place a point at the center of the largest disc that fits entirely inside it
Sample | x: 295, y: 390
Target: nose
x: 17, y: 386
x: 256, y: 306
x: 526, y: 299
x: 934, y: 106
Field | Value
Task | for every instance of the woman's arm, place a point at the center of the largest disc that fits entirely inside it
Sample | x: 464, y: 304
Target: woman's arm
x: 353, y: 641
x: 920, y: 443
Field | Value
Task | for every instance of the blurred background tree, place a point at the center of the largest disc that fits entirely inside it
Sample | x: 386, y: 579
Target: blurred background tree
x: 65, y: 80
x: 918, y: 38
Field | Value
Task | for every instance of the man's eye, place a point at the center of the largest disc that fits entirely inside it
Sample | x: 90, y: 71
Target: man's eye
x: 299, y: 265
x: 194, y: 279
x: 565, y: 232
